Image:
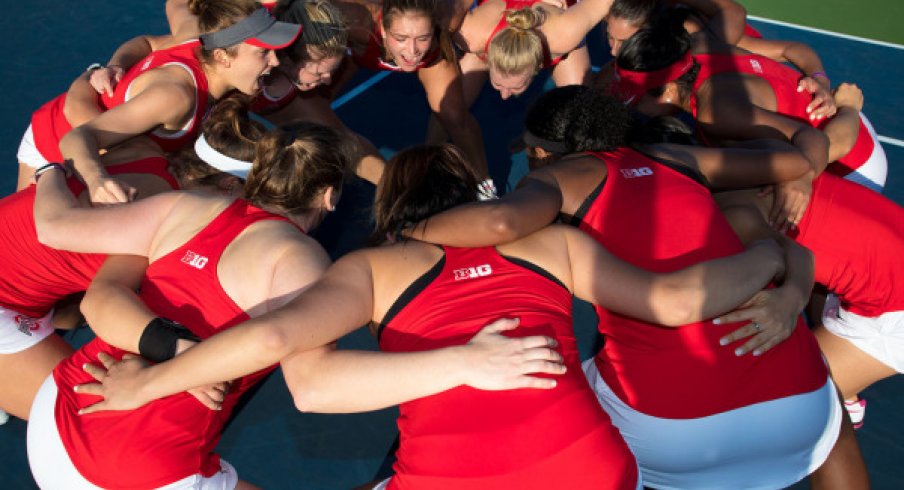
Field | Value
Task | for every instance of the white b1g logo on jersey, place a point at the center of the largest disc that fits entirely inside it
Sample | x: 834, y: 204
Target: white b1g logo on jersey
x: 473, y: 272
x: 757, y: 67
x: 194, y: 260
x: 631, y: 173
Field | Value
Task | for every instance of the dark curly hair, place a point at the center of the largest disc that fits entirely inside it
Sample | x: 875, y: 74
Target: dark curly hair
x: 579, y: 119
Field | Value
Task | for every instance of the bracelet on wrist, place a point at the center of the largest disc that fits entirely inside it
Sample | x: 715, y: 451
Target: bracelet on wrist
x: 50, y: 166
x: 94, y: 66
x: 819, y: 74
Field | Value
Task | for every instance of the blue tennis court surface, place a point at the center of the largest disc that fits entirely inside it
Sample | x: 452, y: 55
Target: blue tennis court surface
x: 269, y: 441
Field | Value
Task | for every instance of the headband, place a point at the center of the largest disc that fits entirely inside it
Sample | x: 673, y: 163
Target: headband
x: 532, y: 140
x: 219, y: 161
x: 630, y: 86
x: 258, y: 29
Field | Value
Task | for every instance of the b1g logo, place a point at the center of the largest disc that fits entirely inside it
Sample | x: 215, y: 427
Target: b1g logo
x: 473, y: 272
x: 27, y: 325
x: 194, y: 260
x: 757, y: 67
x: 633, y: 173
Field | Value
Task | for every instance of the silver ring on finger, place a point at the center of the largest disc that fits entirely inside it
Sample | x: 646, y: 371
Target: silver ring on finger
x: 757, y: 327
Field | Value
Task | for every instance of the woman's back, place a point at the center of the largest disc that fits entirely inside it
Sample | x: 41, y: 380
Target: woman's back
x: 674, y: 223
x: 456, y: 295
x: 182, y: 284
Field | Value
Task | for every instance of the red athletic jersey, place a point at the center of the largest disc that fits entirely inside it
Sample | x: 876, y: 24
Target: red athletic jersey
x: 750, y: 31
x: 372, y: 55
x: 654, y: 217
x: 856, y: 236
x: 171, y: 438
x: 49, y: 124
x: 789, y: 102
x: 548, y: 60
x: 264, y: 103
x: 466, y: 438
x: 34, y: 276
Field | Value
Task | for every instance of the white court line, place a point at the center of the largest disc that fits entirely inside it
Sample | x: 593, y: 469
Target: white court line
x: 827, y: 33
x: 891, y: 141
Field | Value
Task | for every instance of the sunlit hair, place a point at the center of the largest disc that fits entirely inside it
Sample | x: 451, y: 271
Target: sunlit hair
x: 419, y: 182
x: 215, y: 15
x: 324, y: 32
x: 295, y: 165
x: 518, y: 48
x: 433, y: 10
x: 227, y: 129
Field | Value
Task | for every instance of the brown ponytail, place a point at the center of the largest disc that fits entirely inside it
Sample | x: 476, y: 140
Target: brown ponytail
x: 227, y: 129
x: 295, y: 165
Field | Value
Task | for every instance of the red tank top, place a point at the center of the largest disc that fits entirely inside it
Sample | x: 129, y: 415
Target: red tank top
x: 49, y: 124
x: 264, y: 103
x: 548, y: 60
x: 35, y: 276
x: 372, y: 55
x: 652, y: 216
x: 789, y: 102
x: 750, y: 31
x: 527, y: 439
x: 856, y: 236
x: 174, y: 437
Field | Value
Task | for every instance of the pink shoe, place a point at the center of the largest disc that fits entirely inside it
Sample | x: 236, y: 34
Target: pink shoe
x: 856, y: 410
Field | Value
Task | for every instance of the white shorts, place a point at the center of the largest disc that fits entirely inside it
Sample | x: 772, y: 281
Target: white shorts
x: 882, y: 337
x: 52, y: 468
x: 19, y: 332
x: 28, y: 152
x: 762, y: 446
x: 873, y: 173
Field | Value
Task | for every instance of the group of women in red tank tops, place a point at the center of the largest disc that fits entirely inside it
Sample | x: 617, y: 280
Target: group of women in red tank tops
x: 708, y: 376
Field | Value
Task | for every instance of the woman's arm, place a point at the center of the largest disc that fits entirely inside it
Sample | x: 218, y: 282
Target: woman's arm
x: 104, y: 78
x: 334, y: 306
x: 535, y: 204
x: 745, y: 164
x: 164, y: 101
x: 805, y: 59
x: 327, y: 380
x: 728, y: 115
x: 337, y: 304
x: 81, y: 101
x: 843, y: 129
x: 129, y: 229
x: 566, y: 31
x: 691, y: 294
x: 112, y: 308
x: 773, y: 313
x: 724, y: 18
x: 445, y: 95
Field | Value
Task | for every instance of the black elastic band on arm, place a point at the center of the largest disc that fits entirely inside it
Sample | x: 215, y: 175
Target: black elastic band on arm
x: 158, y: 340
